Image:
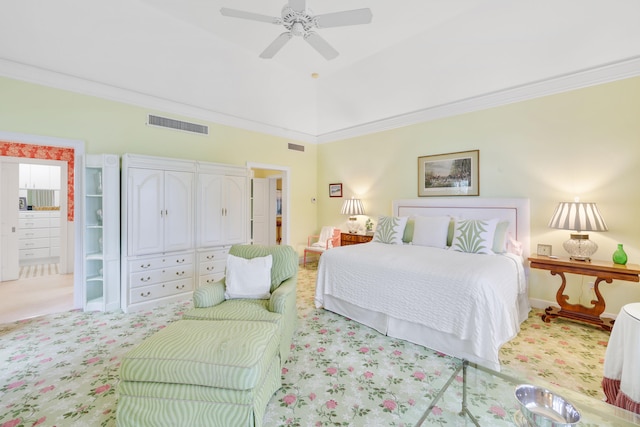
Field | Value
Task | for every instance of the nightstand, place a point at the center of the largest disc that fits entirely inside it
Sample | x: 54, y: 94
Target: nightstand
x: 601, y: 270
x: 353, y: 239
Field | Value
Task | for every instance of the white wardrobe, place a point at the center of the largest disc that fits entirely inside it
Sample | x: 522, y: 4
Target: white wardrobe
x: 179, y: 219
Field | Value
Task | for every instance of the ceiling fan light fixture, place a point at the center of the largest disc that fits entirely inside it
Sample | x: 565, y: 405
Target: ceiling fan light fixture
x: 300, y: 21
x: 297, y: 29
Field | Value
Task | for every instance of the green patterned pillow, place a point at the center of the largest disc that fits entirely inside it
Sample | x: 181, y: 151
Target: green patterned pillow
x: 474, y: 235
x: 390, y: 229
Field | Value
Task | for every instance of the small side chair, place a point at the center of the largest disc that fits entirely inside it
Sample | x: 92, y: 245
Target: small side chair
x: 328, y: 238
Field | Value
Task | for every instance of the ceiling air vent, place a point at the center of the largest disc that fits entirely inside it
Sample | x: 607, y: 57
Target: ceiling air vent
x: 165, y: 122
x: 296, y: 147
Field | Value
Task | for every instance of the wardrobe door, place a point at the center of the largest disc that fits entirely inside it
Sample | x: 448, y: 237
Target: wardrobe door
x: 178, y: 210
x: 145, y: 211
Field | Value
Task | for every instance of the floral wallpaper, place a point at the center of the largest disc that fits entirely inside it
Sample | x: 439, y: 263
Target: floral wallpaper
x: 16, y: 149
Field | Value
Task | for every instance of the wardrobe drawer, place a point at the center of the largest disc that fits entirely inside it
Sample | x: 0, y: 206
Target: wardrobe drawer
x: 33, y: 243
x: 207, y: 279
x: 33, y: 233
x: 219, y: 254
x: 144, y: 278
x: 25, y: 254
x: 151, y: 292
x: 152, y: 263
x: 213, y: 267
x: 33, y: 222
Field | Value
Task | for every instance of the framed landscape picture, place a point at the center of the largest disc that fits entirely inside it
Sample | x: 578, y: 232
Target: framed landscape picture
x: 335, y: 190
x: 452, y: 174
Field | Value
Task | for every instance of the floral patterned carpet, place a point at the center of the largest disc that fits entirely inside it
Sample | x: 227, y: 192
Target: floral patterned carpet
x: 62, y: 369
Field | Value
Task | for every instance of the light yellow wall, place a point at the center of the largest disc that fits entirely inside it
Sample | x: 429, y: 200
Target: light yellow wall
x: 112, y: 127
x: 583, y: 143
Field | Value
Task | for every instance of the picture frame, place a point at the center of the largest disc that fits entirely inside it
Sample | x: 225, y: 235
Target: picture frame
x: 544, y: 250
x: 335, y: 190
x: 22, y: 203
x: 451, y: 174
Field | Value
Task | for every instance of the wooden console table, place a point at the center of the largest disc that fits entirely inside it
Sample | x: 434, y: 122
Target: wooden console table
x: 601, y: 270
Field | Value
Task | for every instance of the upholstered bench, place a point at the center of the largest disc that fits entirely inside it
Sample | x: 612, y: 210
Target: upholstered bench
x: 199, y: 373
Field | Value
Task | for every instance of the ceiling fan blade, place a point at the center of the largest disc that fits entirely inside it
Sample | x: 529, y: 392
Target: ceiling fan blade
x: 276, y: 45
x: 321, y: 45
x: 347, y: 17
x: 298, y: 5
x: 249, y: 15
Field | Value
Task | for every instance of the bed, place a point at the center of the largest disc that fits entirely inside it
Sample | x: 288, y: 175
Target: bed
x: 463, y: 304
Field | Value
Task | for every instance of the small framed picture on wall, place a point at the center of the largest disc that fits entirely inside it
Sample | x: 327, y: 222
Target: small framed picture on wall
x: 335, y: 190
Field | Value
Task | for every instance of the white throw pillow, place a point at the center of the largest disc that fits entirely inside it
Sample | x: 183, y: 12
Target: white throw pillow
x: 474, y: 235
x: 431, y: 231
x: 248, y: 278
x: 390, y: 229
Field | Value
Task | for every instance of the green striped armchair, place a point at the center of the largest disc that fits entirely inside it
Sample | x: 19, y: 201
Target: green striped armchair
x: 210, y: 304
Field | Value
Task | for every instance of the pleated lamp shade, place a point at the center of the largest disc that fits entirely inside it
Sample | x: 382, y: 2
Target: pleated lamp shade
x: 580, y: 217
x: 352, y: 207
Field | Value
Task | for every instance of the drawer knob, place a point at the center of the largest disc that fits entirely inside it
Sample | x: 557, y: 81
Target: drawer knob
x: 180, y: 261
x: 145, y: 279
x: 210, y: 256
x: 179, y: 286
x: 211, y: 268
x: 179, y: 273
x: 145, y: 294
x: 145, y: 265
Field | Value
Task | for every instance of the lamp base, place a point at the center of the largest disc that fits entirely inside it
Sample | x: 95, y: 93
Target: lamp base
x: 579, y: 247
x: 352, y: 225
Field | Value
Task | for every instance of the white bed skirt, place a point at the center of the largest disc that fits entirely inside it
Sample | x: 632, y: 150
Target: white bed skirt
x: 419, y: 334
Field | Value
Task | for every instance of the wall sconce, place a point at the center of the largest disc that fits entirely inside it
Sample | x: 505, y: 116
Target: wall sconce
x: 352, y: 207
x: 580, y: 217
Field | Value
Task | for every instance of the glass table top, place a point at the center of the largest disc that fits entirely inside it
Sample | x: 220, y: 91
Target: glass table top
x: 477, y: 396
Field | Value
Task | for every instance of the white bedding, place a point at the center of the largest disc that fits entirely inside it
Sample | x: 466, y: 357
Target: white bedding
x: 473, y: 298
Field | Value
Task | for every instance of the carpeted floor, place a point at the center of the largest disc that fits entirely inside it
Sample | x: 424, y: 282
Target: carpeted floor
x: 62, y: 370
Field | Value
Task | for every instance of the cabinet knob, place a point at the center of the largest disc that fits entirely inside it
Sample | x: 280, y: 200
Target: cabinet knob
x: 145, y: 294
x: 180, y: 261
x: 179, y: 273
x: 145, y: 279
x: 179, y: 286
x: 211, y: 268
x: 145, y: 265
x: 210, y: 256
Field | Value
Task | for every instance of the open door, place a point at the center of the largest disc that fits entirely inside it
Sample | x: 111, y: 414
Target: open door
x: 9, y: 220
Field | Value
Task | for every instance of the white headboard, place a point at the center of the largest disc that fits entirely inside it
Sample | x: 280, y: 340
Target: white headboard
x: 516, y: 211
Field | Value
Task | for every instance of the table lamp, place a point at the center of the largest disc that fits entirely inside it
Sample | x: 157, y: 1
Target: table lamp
x: 580, y: 217
x: 352, y: 207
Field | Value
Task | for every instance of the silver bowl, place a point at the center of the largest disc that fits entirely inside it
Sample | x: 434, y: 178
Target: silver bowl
x: 544, y: 408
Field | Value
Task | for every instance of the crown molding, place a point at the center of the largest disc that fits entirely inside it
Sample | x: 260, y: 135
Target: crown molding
x: 606, y: 73
x: 41, y: 76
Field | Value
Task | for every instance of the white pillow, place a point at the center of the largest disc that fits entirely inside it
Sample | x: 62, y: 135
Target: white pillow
x: 431, y: 231
x: 390, y: 229
x: 474, y: 235
x: 248, y: 278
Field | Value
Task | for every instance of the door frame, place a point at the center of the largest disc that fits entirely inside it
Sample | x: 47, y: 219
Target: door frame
x: 285, y: 173
x: 73, y: 251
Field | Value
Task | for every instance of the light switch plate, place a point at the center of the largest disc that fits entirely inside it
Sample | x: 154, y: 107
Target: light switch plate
x: 544, y: 250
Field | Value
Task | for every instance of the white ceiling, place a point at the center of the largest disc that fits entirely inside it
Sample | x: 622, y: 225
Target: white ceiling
x: 184, y: 57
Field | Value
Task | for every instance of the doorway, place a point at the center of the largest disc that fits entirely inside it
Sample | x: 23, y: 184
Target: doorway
x: 270, y: 214
x: 41, y: 290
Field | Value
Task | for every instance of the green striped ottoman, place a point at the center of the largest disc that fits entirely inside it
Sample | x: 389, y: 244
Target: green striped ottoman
x: 200, y: 373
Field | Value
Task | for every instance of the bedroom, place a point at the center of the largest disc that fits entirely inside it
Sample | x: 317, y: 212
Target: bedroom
x: 583, y: 142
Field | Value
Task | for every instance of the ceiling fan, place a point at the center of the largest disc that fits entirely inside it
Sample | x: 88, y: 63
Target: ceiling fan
x: 300, y: 21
